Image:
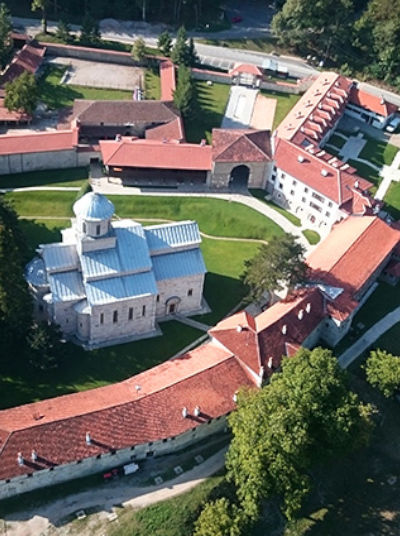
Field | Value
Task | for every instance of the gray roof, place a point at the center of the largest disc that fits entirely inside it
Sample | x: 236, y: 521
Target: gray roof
x: 120, y: 288
x: 66, y: 286
x: 179, y: 264
x: 93, y: 207
x: 35, y: 272
x: 59, y: 257
x: 162, y: 238
x: 130, y: 255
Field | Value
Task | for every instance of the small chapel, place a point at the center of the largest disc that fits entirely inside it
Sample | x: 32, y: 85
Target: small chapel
x: 109, y: 280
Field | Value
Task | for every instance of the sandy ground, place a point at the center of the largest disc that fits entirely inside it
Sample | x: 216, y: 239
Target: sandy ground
x: 263, y: 113
x: 101, y: 75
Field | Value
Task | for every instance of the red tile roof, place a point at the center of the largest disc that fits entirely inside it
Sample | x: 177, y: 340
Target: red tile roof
x: 247, y: 69
x: 135, y: 152
x: 372, y: 102
x: 168, y: 131
x: 263, y: 340
x: 319, y: 170
x: 167, y: 80
x: 353, y: 252
x: 120, y: 416
x: 29, y: 58
x: 318, y: 109
x: 59, y: 140
x: 239, y: 145
x: 12, y: 117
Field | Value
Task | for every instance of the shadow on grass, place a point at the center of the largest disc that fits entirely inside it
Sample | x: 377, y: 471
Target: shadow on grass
x: 41, y: 178
x: 39, y: 233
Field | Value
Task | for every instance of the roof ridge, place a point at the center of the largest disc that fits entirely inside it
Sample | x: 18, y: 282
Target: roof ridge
x: 247, y: 136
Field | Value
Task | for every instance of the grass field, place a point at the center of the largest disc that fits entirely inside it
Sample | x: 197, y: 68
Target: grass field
x: 57, y: 95
x: 392, y: 200
x: 56, y: 177
x: 260, y: 194
x: 152, y: 85
x: 214, y: 216
x: 312, y: 236
x: 378, y: 152
x: 211, y: 101
x: 285, y: 102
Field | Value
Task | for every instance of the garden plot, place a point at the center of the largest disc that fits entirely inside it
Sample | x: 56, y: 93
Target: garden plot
x: 100, y: 75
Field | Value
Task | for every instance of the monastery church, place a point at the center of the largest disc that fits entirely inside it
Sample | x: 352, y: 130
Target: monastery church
x: 109, y: 281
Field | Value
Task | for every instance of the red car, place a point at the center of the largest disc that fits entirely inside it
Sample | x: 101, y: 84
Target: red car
x: 237, y: 19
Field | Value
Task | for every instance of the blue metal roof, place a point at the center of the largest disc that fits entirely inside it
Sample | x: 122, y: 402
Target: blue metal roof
x: 35, y: 272
x: 58, y: 257
x: 101, y: 263
x: 93, y: 207
x: 167, y: 236
x: 120, y: 288
x: 179, y: 264
x: 66, y: 286
x: 132, y: 246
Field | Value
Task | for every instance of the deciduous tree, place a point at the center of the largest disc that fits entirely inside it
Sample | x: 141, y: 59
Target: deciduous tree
x: 218, y: 518
x: 383, y: 372
x: 42, y: 6
x: 279, y: 263
x: 5, y: 34
x: 45, y: 348
x: 63, y: 32
x: 22, y: 94
x: 307, y: 414
x: 90, y: 32
x: 139, y: 50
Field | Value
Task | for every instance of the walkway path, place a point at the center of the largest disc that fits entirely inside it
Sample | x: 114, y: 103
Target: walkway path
x: 192, y: 323
x: 390, y: 174
x: 48, y: 519
x: 239, y: 109
x: 369, y: 337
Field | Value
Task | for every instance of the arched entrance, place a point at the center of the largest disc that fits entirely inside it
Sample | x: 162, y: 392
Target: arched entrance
x: 172, y: 305
x: 239, y: 177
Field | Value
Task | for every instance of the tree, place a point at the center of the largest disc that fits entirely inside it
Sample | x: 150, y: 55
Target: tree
x: 179, y: 53
x: 305, y: 415
x: 184, y: 94
x: 192, y: 54
x: 63, y: 32
x: 90, y: 32
x: 383, y: 372
x: 165, y: 43
x: 22, y: 94
x: 279, y: 263
x: 218, y: 518
x: 139, y: 50
x: 46, y: 350
x: 42, y: 5
x: 314, y: 24
x: 5, y: 34
x: 15, y: 300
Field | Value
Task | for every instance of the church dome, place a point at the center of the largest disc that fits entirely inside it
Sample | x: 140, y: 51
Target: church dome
x: 93, y: 207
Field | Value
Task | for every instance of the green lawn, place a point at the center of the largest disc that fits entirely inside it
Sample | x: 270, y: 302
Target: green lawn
x: 390, y: 340
x: 57, y: 95
x: 260, y: 194
x: 312, y: 236
x: 152, y: 85
x: 392, y: 200
x: 378, y: 152
x: 338, y: 141
x: 56, y: 177
x: 212, y: 101
x: 285, y: 102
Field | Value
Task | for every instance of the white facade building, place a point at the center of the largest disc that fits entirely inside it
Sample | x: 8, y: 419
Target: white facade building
x: 108, y: 281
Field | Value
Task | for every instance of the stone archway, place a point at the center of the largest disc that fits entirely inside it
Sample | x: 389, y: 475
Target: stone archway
x: 239, y: 176
x: 172, y: 305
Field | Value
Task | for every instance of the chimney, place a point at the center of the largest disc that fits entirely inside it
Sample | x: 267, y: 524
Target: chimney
x: 357, y: 184
x: 239, y: 328
x: 235, y: 398
x: 300, y: 314
x: 324, y: 172
x: 34, y: 455
x: 88, y: 439
x: 138, y: 388
x: 203, y: 143
x: 196, y: 411
x: 308, y: 307
x: 20, y: 459
x: 300, y: 158
x: 184, y: 413
x: 284, y: 329
x: 270, y: 362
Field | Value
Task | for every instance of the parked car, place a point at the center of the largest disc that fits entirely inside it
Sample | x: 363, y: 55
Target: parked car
x: 236, y: 19
x: 393, y: 124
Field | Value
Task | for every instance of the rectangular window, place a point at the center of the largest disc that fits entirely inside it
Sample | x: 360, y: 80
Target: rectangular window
x: 294, y: 183
x: 303, y: 199
x: 291, y: 192
x: 315, y: 207
x: 280, y: 185
x: 115, y: 317
x: 144, y: 310
x: 318, y: 197
x: 283, y: 175
x: 306, y: 189
x: 97, y: 229
x: 158, y: 298
x: 329, y: 204
x: 101, y: 318
x: 327, y: 214
x: 190, y: 292
x: 130, y: 314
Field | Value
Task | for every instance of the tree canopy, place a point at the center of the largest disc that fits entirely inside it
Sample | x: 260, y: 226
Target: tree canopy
x: 306, y: 414
x: 164, y: 43
x: 184, y: 94
x: 383, y: 372
x: 22, y: 94
x: 279, y: 263
x: 183, y: 53
x: 5, y: 34
x: 139, y: 50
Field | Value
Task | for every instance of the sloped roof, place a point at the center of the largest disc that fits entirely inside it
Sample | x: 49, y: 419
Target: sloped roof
x: 60, y: 140
x: 119, y: 416
x: 246, y: 68
x: 319, y: 170
x: 239, y: 145
x: 93, y: 207
x: 372, y: 102
x: 166, y: 237
x: 353, y: 251
x: 178, y: 264
x: 135, y: 152
x: 167, y: 131
x: 29, y: 59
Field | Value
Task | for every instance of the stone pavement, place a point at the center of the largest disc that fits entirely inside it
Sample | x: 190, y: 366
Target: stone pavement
x: 369, y: 337
x: 239, y: 109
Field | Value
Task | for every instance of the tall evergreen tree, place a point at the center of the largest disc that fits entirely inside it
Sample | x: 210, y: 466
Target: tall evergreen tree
x: 184, y: 94
x: 63, y: 32
x: 180, y: 51
x: 5, y: 34
x: 165, y: 43
x: 90, y: 32
x: 192, y: 54
x: 139, y: 50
